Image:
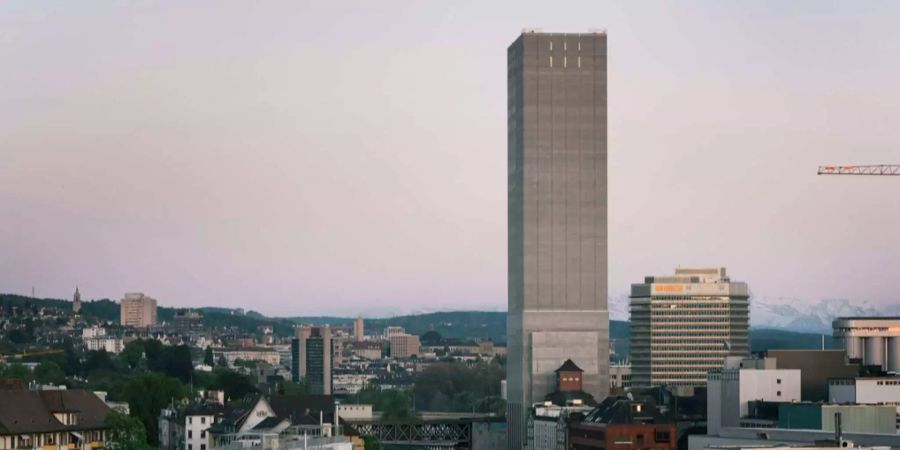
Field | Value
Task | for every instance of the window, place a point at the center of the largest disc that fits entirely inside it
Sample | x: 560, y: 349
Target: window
x: 190, y: 434
x: 190, y: 419
x: 202, y: 446
x: 202, y: 434
x: 190, y: 446
x: 778, y: 393
x: 662, y: 436
x: 203, y: 419
x: 778, y: 381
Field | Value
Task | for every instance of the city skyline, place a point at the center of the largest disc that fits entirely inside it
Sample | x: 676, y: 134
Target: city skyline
x: 265, y: 199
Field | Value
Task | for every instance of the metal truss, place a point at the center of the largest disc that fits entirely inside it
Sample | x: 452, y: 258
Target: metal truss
x: 449, y: 434
x: 876, y: 169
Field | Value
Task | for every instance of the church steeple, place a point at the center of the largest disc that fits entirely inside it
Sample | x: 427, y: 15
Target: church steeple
x: 76, y: 301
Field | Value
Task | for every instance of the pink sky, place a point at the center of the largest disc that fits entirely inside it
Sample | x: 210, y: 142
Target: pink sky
x: 328, y: 157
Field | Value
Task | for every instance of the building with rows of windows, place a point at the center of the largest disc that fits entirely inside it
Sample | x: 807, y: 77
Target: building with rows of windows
x: 684, y: 325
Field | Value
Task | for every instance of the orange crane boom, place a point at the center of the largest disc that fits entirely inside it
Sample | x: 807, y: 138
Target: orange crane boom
x: 875, y: 169
x: 27, y: 354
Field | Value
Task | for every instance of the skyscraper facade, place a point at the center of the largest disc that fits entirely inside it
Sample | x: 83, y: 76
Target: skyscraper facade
x: 312, y: 356
x: 557, y: 220
x: 684, y: 325
x: 137, y: 310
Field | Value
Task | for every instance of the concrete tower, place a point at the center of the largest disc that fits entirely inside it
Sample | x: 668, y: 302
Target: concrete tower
x: 358, y: 329
x: 557, y: 217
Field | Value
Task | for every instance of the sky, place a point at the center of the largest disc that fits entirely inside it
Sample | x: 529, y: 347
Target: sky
x: 335, y: 157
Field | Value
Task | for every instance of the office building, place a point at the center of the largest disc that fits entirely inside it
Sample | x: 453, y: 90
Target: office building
x: 359, y: 331
x: 557, y: 222
x: 393, y: 331
x: 312, y: 355
x: 874, y: 340
x: 76, y: 301
x: 137, y: 310
x: 404, y: 346
x: 684, y: 325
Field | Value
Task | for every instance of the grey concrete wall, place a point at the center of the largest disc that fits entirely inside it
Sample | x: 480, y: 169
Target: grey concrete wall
x: 557, y: 211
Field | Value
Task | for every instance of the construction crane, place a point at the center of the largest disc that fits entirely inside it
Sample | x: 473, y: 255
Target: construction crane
x: 27, y: 354
x: 875, y: 169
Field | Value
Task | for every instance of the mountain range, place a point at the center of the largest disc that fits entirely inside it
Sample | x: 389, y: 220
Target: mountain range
x: 790, y: 314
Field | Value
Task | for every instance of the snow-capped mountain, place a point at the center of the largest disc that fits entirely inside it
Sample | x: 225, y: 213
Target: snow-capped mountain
x: 788, y: 313
x: 797, y: 315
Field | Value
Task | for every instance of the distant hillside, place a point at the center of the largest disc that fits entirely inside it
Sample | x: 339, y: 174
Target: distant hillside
x: 474, y: 325
x: 455, y: 324
x: 108, y: 311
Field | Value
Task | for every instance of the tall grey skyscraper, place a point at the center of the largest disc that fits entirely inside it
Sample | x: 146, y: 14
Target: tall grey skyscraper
x: 557, y: 217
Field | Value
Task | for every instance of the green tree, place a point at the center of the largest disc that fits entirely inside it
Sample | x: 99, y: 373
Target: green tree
x: 176, y: 362
x: 288, y: 388
x: 147, y: 395
x: 371, y: 443
x: 132, y: 354
x: 432, y: 338
x: 125, y: 433
x: 235, y: 385
x: 458, y: 387
x: 393, y: 404
x: 49, y: 373
x: 16, y: 371
x: 98, y: 360
x: 208, y: 357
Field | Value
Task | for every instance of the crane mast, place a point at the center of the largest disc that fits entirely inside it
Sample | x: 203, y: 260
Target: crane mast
x: 874, y: 169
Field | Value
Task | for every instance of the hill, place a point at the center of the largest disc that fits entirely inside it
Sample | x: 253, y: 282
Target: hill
x: 474, y: 325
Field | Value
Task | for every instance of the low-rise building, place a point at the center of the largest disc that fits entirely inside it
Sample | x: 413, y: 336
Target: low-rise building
x: 52, y: 420
x: 619, y: 376
x: 264, y: 354
x: 731, y: 389
x: 109, y: 344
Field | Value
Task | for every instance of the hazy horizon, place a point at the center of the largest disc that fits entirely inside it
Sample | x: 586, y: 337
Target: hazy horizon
x: 304, y: 158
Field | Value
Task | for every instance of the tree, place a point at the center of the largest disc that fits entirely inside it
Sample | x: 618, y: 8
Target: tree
x: 132, y: 354
x: 235, y: 385
x: 458, y: 387
x: 371, y: 443
x: 208, y: 357
x: 49, y: 373
x: 125, y: 432
x: 98, y: 360
x: 16, y: 371
x: 393, y: 404
x: 147, y: 395
x: 432, y: 338
x: 176, y: 362
x: 288, y: 388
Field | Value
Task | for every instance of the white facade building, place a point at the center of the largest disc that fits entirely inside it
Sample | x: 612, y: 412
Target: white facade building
x: 92, y: 332
x: 731, y: 389
x: 865, y: 391
x: 196, y: 424
x: 111, y: 345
